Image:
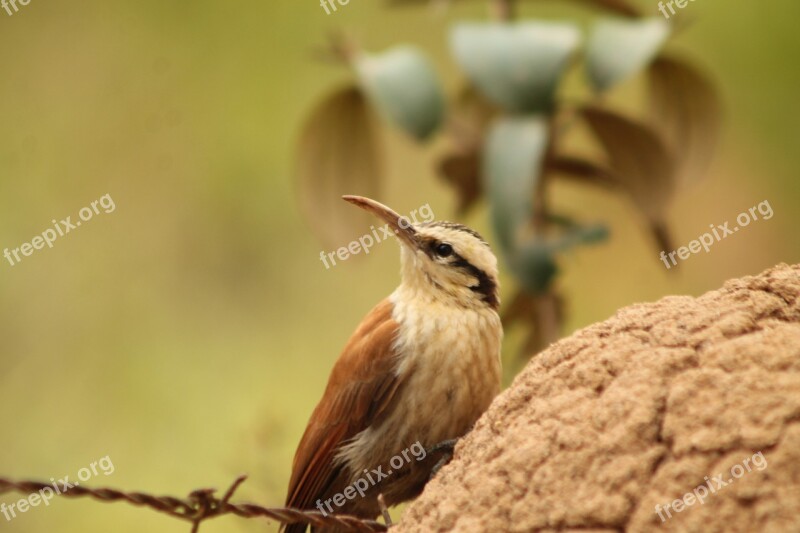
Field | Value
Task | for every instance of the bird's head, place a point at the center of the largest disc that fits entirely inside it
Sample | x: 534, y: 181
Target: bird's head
x: 443, y: 261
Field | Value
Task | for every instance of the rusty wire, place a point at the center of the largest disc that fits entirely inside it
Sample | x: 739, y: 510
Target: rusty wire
x: 202, y: 505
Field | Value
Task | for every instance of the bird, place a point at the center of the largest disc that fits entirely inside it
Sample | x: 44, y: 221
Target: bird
x: 419, y: 370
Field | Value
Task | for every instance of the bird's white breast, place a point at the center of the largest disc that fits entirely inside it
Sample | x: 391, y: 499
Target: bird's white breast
x: 449, y: 361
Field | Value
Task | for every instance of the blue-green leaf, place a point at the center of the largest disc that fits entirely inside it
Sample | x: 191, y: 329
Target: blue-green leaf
x: 514, y: 152
x: 533, y: 262
x: 404, y: 87
x: 578, y: 235
x: 517, y: 66
x: 512, y: 166
x: 534, y: 266
x: 619, y: 48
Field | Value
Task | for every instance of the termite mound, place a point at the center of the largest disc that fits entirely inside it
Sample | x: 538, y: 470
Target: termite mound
x: 637, y: 412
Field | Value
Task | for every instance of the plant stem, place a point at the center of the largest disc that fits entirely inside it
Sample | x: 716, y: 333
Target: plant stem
x: 502, y: 10
x: 343, y: 47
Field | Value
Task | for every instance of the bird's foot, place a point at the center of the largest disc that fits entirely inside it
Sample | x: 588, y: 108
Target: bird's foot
x: 446, y: 449
x: 447, y: 445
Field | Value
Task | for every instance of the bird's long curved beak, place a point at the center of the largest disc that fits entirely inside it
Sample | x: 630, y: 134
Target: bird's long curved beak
x: 400, y: 225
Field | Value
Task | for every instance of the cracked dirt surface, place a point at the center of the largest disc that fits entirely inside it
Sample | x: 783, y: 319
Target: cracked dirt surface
x: 636, y: 411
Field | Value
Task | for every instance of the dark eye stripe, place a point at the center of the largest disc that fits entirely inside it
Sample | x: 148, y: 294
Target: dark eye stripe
x: 486, y: 286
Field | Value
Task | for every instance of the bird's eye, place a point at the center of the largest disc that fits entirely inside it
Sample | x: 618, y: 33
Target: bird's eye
x: 444, y: 250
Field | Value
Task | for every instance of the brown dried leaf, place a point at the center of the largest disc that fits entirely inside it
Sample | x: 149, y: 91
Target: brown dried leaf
x: 582, y: 170
x: 620, y: 7
x: 642, y: 163
x: 543, y: 317
x: 338, y: 153
x: 470, y: 118
x: 472, y: 114
x: 637, y: 156
x: 462, y: 171
x: 687, y: 112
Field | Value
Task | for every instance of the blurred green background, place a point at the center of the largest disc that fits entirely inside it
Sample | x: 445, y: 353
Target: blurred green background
x: 188, y: 334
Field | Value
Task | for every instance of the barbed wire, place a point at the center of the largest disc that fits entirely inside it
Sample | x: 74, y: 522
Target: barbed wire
x: 202, y: 505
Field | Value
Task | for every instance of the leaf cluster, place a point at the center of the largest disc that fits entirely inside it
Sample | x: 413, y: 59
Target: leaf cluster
x: 507, y: 129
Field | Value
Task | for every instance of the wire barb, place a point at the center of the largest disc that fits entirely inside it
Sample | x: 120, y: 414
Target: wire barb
x: 202, y: 505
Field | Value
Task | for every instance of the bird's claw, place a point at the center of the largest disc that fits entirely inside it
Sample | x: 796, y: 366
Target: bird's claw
x: 446, y: 449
